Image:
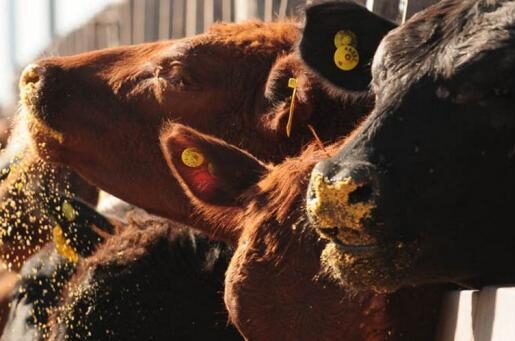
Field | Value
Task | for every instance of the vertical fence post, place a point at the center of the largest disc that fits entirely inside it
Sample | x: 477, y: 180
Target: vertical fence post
x: 226, y: 10
x: 164, y: 19
x: 178, y: 22
x: 209, y: 13
x: 52, y: 18
x: 125, y: 10
x: 191, y: 17
x: 283, y: 5
x: 138, y: 21
x: 151, y: 20
x: 268, y: 11
x: 245, y: 9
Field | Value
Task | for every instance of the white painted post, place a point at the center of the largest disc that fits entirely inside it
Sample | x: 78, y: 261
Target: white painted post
x: 244, y: 10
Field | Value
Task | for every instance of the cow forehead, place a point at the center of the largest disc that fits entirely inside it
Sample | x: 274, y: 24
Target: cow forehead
x: 439, y: 41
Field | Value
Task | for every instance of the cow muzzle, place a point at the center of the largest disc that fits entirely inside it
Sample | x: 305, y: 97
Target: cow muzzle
x: 341, y: 199
x: 43, y: 89
x: 29, y: 85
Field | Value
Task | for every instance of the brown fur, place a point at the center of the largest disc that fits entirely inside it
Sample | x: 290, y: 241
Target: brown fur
x: 100, y: 112
x: 275, y: 284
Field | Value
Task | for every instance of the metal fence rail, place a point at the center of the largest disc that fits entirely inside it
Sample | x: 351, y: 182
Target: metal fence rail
x: 137, y: 21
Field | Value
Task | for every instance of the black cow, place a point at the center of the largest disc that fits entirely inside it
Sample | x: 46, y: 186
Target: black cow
x: 44, y: 275
x: 153, y: 281
x: 424, y: 190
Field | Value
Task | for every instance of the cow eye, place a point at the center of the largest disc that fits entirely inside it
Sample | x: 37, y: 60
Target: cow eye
x: 178, y: 77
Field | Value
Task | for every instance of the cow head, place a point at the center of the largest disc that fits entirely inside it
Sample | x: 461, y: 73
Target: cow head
x: 100, y: 112
x: 275, y: 285
x: 423, y: 190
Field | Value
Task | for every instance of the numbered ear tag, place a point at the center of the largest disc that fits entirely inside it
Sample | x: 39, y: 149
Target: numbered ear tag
x: 346, y: 58
x: 192, y: 157
x: 345, y: 37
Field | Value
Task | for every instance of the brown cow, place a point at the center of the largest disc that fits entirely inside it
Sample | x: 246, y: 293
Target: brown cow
x: 101, y: 112
x: 275, y: 288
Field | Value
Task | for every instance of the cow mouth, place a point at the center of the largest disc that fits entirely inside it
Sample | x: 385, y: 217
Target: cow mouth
x: 382, y: 267
x: 349, y: 240
x: 357, y: 249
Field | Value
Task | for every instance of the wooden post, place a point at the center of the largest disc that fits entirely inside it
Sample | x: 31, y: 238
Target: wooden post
x: 125, y: 10
x: 89, y: 36
x: 245, y: 9
x: 218, y: 10
x: 268, y: 11
x: 283, y: 5
x: 226, y: 10
x: 151, y: 20
x: 138, y: 22
x: 52, y: 18
x: 164, y: 19
x: 191, y: 17
x: 209, y: 13
x: 178, y: 22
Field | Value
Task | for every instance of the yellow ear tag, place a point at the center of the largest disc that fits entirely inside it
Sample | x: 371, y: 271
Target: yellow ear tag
x: 62, y: 246
x: 346, y: 58
x: 292, y: 83
x: 345, y: 37
x: 192, y: 157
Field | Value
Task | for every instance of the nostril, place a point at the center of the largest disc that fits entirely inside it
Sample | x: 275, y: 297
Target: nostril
x: 360, y: 194
x: 30, y: 75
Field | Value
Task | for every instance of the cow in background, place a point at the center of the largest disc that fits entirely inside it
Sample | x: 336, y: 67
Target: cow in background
x: 155, y: 280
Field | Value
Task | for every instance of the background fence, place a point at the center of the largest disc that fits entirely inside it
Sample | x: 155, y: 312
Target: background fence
x: 137, y: 21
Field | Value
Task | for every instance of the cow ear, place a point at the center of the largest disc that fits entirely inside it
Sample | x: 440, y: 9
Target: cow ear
x: 340, y: 40
x: 288, y: 89
x: 208, y: 169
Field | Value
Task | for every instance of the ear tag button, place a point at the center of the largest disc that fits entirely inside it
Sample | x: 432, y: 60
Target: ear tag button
x: 192, y: 157
x: 346, y: 58
x: 345, y: 37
